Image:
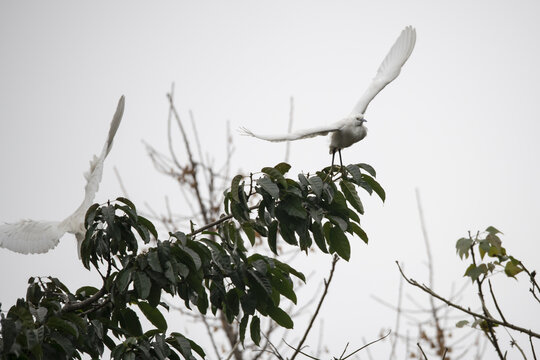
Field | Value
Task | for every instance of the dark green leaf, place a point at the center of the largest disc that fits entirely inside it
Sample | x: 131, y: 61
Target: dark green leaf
x: 351, y: 195
x: 272, y: 236
x: 339, y: 243
x: 375, y: 186
x: 280, y: 317
x: 270, y: 187
x: 255, y: 330
x: 127, y: 202
x: 283, y: 167
x: 358, y: 231
x: 355, y: 172
x: 316, y: 184
x: 142, y: 284
x: 318, y: 236
x: 235, y: 187
x: 243, y: 326
x: 369, y: 169
x: 130, y: 322
x: 153, y: 315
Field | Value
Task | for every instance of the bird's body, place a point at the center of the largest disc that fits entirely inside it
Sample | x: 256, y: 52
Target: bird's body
x: 351, y: 129
x: 31, y: 236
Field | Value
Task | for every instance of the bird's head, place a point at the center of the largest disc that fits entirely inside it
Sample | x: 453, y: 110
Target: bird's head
x: 360, y: 119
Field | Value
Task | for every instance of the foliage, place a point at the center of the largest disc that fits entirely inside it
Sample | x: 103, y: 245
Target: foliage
x: 206, y: 269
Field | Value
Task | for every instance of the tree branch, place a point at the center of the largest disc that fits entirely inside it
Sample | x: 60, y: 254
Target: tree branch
x: 467, y: 311
x: 326, y: 286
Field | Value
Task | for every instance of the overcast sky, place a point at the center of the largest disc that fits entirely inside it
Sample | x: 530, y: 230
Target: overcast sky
x: 460, y: 123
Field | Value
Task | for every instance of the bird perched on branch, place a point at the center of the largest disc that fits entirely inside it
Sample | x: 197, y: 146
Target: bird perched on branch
x: 351, y: 129
x: 30, y: 236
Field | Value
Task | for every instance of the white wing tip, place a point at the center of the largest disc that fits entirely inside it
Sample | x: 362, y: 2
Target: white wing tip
x: 245, y: 131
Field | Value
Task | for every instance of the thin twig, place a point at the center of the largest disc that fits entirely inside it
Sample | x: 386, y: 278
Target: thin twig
x: 326, y: 286
x: 495, y: 301
x: 532, y: 347
x: 422, y: 350
x: 398, y: 318
x: 438, y: 330
x: 365, y: 346
x: 467, y: 311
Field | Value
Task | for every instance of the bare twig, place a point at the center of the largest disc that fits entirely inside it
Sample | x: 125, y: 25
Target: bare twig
x: 422, y: 350
x: 439, y: 336
x: 495, y: 301
x: 365, y: 346
x: 467, y: 311
x: 532, y: 347
x: 326, y: 286
x: 398, y: 318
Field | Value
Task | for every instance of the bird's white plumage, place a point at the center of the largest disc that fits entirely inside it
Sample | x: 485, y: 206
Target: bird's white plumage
x: 30, y: 236
x: 351, y: 129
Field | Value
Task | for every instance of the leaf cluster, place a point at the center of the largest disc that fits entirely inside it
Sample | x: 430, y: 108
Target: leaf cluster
x: 487, y: 243
x: 316, y: 208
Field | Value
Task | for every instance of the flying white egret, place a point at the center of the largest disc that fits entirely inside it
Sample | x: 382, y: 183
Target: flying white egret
x: 31, y: 236
x: 351, y: 129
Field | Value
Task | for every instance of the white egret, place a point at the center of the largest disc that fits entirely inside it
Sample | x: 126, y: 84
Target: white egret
x: 351, y: 129
x: 31, y: 236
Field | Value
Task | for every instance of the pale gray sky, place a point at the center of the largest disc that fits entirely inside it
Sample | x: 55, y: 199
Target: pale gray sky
x: 460, y: 123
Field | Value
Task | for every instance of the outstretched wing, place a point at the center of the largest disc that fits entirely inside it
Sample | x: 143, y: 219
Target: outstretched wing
x: 389, y: 69
x: 29, y: 236
x: 75, y: 222
x: 295, y: 135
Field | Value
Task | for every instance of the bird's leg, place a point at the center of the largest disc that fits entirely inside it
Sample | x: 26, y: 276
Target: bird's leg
x: 340, y: 161
x: 331, y: 166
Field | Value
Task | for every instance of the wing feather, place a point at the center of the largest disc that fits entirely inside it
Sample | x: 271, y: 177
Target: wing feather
x: 30, y: 236
x: 389, y: 68
x: 296, y: 135
x: 75, y: 222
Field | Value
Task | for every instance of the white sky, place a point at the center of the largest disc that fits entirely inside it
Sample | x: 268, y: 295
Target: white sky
x: 460, y: 123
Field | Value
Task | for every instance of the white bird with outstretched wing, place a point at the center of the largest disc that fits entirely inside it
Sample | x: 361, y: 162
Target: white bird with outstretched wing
x: 31, y: 236
x: 351, y: 129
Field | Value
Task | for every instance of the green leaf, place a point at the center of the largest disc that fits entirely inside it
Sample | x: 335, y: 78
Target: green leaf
x: 474, y: 271
x: 153, y: 315
x: 463, y: 246
x: 318, y: 236
x: 130, y: 322
x: 272, y: 236
x: 142, y: 284
x: 275, y: 175
x: 358, y: 231
x: 511, y: 269
x: 148, y: 224
x: 462, y: 323
x: 270, y: 187
x: 153, y: 261
x: 255, y: 330
x: 127, y: 202
x: 250, y: 233
x: 63, y: 325
x: 280, y: 317
x: 492, y: 230
x: 243, y: 326
x: 369, y: 169
x: 375, y: 186
x: 339, y: 243
x: 351, y: 195
x: 283, y: 167
x: 354, y: 170
x: 289, y: 270
x: 123, y: 278
x: 316, y: 185
x: 235, y: 186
